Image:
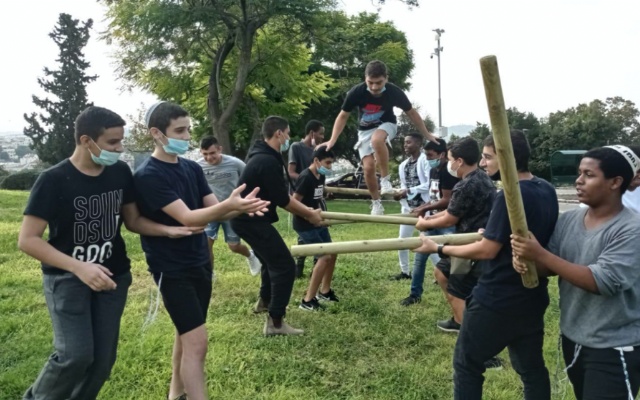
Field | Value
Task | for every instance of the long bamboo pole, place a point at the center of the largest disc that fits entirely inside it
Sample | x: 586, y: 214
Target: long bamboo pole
x: 381, y: 219
x: 331, y: 222
x: 368, y: 246
x: 506, y: 160
x: 357, y: 192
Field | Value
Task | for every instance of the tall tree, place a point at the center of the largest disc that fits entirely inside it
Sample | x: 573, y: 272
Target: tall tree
x: 51, y: 131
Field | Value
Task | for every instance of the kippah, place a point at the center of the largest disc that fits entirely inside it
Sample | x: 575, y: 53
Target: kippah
x: 628, y: 155
x: 147, y: 116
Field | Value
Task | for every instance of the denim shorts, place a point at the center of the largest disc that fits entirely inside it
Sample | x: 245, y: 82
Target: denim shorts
x: 229, y: 235
x: 315, y: 235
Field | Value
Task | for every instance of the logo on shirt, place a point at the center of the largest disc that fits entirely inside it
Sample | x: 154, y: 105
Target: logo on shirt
x: 371, y: 114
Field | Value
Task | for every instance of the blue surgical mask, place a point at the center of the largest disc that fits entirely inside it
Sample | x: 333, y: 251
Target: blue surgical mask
x: 284, y: 146
x: 105, y: 158
x: 176, y: 146
x: 323, y: 171
x: 434, y: 163
x: 382, y: 91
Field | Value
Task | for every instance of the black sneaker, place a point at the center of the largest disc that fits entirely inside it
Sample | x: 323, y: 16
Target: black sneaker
x: 449, y: 325
x: 410, y: 300
x: 493, y: 363
x: 312, y: 305
x: 330, y: 296
x: 400, y: 277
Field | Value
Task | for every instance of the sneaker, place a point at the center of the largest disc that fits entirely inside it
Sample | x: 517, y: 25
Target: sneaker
x: 410, y: 300
x: 385, y: 186
x: 449, y: 325
x: 330, y: 296
x: 254, y: 264
x: 260, y: 306
x: 376, y: 207
x: 285, y: 329
x: 400, y: 276
x: 493, y: 363
x: 311, y: 305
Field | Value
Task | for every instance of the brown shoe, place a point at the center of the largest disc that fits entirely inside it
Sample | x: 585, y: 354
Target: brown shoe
x: 261, y: 306
x: 285, y: 329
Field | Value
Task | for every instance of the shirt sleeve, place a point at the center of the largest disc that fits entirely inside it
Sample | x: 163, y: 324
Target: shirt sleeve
x: 304, y: 182
x: 42, y: 201
x: 239, y: 165
x: 278, y: 187
x: 402, y: 101
x: 350, y: 102
x: 423, y: 174
x: 401, y: 174
x: 155, y: 191
x: 203, y: 185
x: 129, y: 195
x: 447, y: 182
x: 616, y: 269
x: 458, y: 203
x: 498, y: 227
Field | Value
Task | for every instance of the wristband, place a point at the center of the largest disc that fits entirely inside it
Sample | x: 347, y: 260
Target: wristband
x: 440, y: 253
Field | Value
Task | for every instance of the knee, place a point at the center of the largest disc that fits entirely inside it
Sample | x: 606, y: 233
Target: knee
x: 378, y: 139
x: 78, y: 362
x: 195, y: 348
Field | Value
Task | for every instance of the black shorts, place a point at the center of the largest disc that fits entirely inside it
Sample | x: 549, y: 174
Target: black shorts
x: 186, y: 295
x: 459, y: 285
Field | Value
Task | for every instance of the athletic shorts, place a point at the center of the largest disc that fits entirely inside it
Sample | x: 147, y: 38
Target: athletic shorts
x: 186, y: 295
x: 314, y: 236
x: 459, y: 285
x: 364, y: 138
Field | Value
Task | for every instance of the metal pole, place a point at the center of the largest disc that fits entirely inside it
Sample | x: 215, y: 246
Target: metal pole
x: 437, y: 52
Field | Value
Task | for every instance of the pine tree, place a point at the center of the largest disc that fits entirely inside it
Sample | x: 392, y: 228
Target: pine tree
x: 51, y: 131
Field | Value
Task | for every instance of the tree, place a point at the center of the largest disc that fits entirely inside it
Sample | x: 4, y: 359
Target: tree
x: 479, y: 133
x: 52, y: 132
x: 23, y: 150
x: 138, y: 138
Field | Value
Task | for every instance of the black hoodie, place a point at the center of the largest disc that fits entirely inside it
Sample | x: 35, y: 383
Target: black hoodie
x: 265, y: 169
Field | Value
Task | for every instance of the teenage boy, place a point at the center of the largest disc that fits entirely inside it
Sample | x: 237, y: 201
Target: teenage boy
x: 223, y: 172
x: 501, y: 312
x: 84, y: 200
x: 375, y: 99
x: 468, y: 211
x: 310, y: 192
x: 441, y: 184
x: 265, y: 169
x: 174, y: 191
x: 594, y: 252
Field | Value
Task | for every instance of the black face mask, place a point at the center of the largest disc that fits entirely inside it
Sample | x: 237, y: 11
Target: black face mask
x: 496, y: 176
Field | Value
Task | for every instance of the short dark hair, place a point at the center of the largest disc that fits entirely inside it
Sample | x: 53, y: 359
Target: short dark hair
x: 163, y: 114
x: 440, y: 147
x: 467, y: 149
x: 375, y: 69
x: 322, y: 153
x: 313, y: 125
x: 612, y: 164
x: 272, y: 124
x: 416, y: 136
x: 208, y: 141
x: 93, y: 121
x: 521, y: 148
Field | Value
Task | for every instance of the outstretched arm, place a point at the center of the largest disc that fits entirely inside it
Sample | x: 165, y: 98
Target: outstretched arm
x: 338, y: 127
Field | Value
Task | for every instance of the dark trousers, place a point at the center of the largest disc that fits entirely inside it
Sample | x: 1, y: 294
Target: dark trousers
x: 86, y: 325
x: 484, y: 334
x: 278, y: 267
x: 598, y: 374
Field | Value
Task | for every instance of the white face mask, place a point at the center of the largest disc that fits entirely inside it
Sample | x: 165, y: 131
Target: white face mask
x: 451, y: 171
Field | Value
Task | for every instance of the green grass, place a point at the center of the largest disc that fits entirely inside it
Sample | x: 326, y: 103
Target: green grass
x: 365, y: 347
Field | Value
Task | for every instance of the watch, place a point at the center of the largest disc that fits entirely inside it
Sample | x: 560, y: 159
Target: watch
x: 440, y: 253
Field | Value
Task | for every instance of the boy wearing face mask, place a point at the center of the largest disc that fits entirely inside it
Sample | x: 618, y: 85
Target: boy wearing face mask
x: 310, y: 192
x: 174, y: 191
x: 84, y: 200
x: 266, y: 169
x: 468, y: 211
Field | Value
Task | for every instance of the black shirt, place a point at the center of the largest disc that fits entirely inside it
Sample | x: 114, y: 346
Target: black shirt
x: 312, y: 191
x: 84, y: 213
x: 471, y: 201
x: 440, y: 179
x: 159, y: 184
x: 500, y: 286
x: 372, y: 110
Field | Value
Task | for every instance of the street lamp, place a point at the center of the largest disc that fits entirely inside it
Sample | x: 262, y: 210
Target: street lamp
x: 436, y: 52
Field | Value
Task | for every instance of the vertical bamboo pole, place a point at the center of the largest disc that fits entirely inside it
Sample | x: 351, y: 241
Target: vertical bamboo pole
x: 506, y: 160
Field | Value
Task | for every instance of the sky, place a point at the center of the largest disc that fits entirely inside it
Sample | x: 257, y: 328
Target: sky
x: 552, y: 54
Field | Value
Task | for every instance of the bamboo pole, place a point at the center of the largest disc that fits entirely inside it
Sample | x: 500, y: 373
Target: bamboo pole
x: 368, y: 246
x: 506, y: 160
x: 381, y: 219
x: 356, y: 192
x: 331, y: 222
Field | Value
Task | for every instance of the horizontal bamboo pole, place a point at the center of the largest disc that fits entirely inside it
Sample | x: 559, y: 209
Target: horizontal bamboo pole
x: 368, y: 246
x: 357, y: 192
x: 381, y: 219
x: 331, y: 222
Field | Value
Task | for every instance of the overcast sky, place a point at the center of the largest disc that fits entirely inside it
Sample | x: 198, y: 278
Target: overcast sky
x: 552, y: 54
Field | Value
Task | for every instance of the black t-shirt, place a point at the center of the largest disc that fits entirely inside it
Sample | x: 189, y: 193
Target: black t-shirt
x: 311, y: 189
x: 373, y: 111
x: 159, y: 184
x: 84, y: 213
x: 440, y: 179
x: 471, y: 201
x: 500, y: 287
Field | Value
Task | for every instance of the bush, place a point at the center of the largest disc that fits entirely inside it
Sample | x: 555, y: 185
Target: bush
x: 22, y: 180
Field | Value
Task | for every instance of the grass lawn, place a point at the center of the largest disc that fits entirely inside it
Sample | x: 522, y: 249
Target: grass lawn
x: 365, y: 347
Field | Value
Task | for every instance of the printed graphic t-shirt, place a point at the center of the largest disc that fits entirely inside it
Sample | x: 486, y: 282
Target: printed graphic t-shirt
x: 372, y: 110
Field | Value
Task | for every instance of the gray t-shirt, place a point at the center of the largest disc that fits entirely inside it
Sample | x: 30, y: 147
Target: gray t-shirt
x: 223, y: 178
x: 301, y: 155
x: 611, y: 318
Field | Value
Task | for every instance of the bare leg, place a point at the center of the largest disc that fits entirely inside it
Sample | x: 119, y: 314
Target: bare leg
x: 239, y: 248
x: 369, y: 169
x: 316, y: 277
x: 381, y: 151
x: 194, y: 351
x: 328, y: 273
x: 176, y: 388
x: 457, y: 305
x: 211, y: 242
x: 442, y: 282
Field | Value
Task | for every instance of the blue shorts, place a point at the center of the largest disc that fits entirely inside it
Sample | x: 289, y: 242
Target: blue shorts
x: 230, y: 236
x: 316, y: 235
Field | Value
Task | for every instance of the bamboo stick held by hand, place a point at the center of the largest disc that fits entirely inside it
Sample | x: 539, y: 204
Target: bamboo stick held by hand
x: 506, y: 159
x: 381, y: 219
x: 351, y: 191
x: 368, y: 246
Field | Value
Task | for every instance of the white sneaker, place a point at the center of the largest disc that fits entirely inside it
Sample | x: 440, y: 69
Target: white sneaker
x: 376, y: 207
x: 385, y: 186
x: 254, y: 264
